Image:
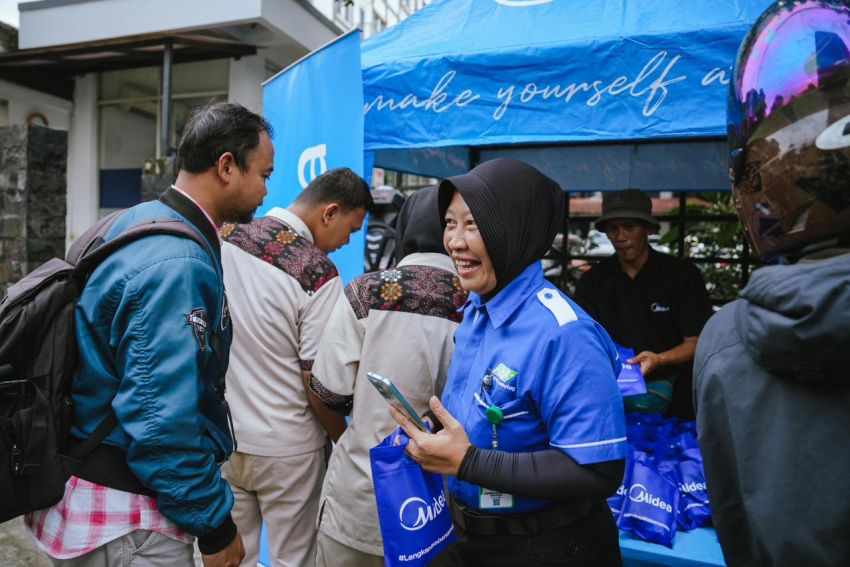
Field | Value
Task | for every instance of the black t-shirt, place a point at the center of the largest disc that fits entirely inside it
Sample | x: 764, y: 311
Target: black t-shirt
x: 666, y: 302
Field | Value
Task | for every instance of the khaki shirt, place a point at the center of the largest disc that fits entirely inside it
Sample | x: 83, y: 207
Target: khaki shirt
x: 400, y: 324
x: 281, y: 289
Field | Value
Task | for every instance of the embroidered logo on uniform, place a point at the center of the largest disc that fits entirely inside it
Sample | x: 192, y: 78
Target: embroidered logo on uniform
x: 658, y: 308
x: 504, y: 373
x: 225, y: 315
x: 197, y: 319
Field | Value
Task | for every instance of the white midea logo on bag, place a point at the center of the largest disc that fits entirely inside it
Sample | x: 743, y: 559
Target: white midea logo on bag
x: 418, y: 510
x: 689, y: 487
x: 638, y: 493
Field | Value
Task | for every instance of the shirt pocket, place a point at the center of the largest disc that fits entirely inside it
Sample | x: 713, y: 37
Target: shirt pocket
x: 493, y: 391
x: 520, y: 424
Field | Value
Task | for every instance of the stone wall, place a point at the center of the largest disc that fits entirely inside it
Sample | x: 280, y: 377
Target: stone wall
x: 32, y: 199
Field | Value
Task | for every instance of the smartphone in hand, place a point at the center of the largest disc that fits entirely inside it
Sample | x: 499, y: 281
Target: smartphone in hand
x: 395, y: 398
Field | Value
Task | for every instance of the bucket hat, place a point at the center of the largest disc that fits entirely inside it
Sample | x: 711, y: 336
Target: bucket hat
x: 626, y: 204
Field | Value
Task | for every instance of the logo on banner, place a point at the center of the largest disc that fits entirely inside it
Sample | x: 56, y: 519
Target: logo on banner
x: 313, y: 156
x: 521, y: 3
x: 415, y: 513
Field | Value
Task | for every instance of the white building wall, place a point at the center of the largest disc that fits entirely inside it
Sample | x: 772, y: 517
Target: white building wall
x: 289, y: 17
x: 371, y: 16
x: 23, y: 102
x: 244, y: 82
x: 124, y: 137
x: 83, y: 179
x: 104, y: 19
x: 288, y: 21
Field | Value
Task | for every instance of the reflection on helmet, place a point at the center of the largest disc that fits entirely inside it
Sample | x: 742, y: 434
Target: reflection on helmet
x: 789, y: 126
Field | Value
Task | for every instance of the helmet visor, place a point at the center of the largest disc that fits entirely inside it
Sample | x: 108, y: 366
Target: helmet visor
x: 795, y: 48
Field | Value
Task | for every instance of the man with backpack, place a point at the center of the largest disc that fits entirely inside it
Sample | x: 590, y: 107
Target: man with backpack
x: 153, y: 332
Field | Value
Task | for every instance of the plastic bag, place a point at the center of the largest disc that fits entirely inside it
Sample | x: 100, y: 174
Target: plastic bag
x: 694, y: 509
x: 650, y: 504
x: 629, y: 380
x: 413, y: 510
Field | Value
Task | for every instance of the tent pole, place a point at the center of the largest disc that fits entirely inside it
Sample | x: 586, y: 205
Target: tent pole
x: 680, y: 221
x: 565, y: 243
x: 474, y: 156
x: 165, y: 126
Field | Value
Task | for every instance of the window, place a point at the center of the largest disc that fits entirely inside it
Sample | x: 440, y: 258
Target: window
x: 130, y: 109
x: 344, y: 11
x: 378, y: 23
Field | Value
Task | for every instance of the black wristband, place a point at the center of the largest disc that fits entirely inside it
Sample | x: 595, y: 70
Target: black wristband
x: 218, y: 538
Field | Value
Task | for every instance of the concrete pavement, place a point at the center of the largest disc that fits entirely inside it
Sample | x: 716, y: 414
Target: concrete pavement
x: 17, y: 548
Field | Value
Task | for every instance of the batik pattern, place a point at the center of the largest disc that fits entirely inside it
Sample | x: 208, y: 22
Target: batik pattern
x: 275, y: 242
x: 423, y: 290
x: 337, y: 402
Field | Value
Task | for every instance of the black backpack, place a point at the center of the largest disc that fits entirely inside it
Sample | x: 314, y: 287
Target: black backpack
x: 38, y: 358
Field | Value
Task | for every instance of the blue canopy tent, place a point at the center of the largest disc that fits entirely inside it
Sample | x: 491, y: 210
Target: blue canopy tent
x: 577, y: 88
x: 599, y: 95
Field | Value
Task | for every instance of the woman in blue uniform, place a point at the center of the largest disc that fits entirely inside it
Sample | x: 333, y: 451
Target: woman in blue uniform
x: 533, y: 436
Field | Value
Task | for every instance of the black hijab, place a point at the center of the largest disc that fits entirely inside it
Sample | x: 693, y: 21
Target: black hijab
x: 518, y: 211
x: 418, y: 228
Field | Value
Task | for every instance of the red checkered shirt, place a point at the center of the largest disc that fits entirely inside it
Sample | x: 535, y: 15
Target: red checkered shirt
x: 91, y: 515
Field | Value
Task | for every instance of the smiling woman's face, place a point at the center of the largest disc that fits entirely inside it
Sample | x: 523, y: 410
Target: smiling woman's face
x: 464, y: 244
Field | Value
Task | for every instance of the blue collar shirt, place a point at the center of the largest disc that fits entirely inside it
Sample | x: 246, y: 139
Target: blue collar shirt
x: 549, y: 367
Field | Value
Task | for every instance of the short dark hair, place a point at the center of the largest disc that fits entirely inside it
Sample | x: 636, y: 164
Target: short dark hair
x: 341, y: 186
x: 218, y: 128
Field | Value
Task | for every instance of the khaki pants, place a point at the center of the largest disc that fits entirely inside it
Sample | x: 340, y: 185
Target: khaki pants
x: 332, y: 553
x: 141, y: 548
x: 283, y: 492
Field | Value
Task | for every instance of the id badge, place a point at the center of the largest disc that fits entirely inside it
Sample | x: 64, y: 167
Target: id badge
x: 492, y: 499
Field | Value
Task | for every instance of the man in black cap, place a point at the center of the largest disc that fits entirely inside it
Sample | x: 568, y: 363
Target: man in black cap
x: 651, y: 302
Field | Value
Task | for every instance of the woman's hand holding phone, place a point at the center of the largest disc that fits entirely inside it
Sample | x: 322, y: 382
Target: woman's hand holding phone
x: 441, y: 452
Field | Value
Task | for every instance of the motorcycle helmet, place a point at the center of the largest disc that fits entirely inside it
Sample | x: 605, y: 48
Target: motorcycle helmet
x: 789, y: 127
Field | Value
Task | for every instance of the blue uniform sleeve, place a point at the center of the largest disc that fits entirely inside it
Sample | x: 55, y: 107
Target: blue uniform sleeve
x: 161, y: 342
x: 578, y: 396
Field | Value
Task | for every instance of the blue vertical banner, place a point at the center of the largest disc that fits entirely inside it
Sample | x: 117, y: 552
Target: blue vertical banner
x: 315, y: 107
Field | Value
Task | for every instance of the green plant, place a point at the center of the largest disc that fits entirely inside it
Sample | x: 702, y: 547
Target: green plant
x: 719, y: 240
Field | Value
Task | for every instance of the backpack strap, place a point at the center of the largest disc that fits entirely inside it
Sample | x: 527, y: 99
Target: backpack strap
x: 91, y: 238
x: 82, y: 451
x: 96, y: 252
